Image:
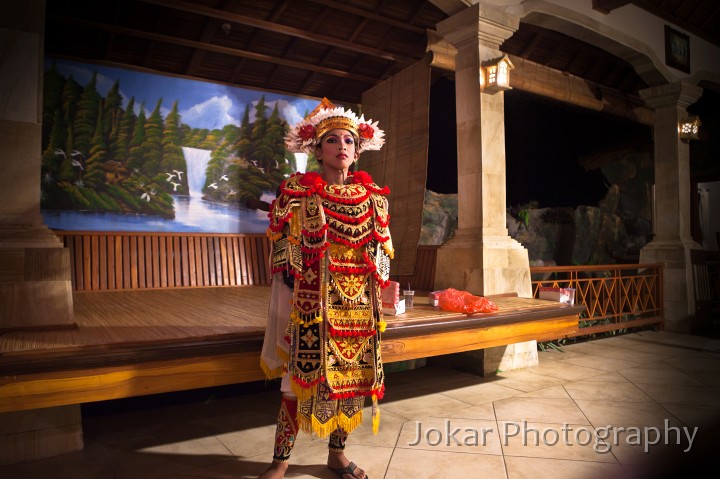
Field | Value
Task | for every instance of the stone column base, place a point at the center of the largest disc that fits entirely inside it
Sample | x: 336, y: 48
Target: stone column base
x: 39, y: 433
x: 488, y: 362
x: 483, y: 265
x: 678, y: 290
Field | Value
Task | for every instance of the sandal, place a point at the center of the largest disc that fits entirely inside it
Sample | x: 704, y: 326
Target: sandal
x: 341, y: 471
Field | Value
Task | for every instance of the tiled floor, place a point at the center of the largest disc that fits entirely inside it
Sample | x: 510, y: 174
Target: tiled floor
x: 591, y: 411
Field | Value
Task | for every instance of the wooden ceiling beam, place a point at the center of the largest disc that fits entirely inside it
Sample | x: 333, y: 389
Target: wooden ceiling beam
x: 104, y: 27
x: 194, y: 8
x: 376, y: 17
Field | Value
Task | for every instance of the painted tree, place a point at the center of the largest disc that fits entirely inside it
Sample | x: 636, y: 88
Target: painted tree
x: 120, y: 144
x: 136, y: 158
x: 173, y: 158
x: 153, y: 145
x: 112, y: 108
x: 86, y: 116
x: 94, y: 176
x: 53, y: 83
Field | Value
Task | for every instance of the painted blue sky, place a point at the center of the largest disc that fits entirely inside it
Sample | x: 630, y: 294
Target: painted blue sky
x: 201, y: 104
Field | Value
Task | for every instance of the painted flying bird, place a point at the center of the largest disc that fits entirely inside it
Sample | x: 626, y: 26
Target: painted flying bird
x: 76, y: 153
x: 175, y: 185
x: 179, y: 174
x: 225, y: 178
x: 145, y: 197
x: 170, y: 176
x: 213, y: 186
x: 59, y: 152
x: 78, y: 164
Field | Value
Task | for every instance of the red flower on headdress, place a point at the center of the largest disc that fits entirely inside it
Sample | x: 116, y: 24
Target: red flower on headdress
x: 311, y: 179
x: 366, y: 131
x: 306, y: 132
x: 361, y: 178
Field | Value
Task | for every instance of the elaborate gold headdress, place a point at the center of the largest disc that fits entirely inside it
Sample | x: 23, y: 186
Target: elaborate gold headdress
x: 304, y: 136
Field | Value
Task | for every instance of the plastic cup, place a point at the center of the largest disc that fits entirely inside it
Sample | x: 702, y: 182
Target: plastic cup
x: 409, y: 294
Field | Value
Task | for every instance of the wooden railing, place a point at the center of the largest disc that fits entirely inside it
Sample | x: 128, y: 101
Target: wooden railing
x: 617, y: 296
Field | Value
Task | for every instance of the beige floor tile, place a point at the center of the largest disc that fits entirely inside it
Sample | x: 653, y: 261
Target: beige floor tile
x: 390, y: 426
x: 467, y: 436
x: 578, y: 442
x: 643, y: 445
x: 423, y: 405
x: 481, y: 411
x: 311, y: 461
x: 613, y: 377
x: 694, y: 415
x: 527, y: 380
x: 528, y: 467
x: 652, y: 375
x: 598, y: 349
x: 603, y: 364
x: 481, y: 393
x: 674, y: 394
x: 625, y: 414
x: 697, y: 363
x: 250, y: 441
x: 421, y: 464
x: 610, y: 391
x: 550, y: 410
x: 566, y: 371
x: 546, y: 357
x: 554, y: 392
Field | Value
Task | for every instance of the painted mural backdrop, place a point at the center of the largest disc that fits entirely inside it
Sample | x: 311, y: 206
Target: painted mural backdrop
x: 131, y: 151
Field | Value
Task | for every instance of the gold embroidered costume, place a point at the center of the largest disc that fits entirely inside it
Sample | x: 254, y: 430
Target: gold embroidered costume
x: 335, y: 241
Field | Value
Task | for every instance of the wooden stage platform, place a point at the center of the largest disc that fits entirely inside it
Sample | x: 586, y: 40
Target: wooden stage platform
x: 130, y: 343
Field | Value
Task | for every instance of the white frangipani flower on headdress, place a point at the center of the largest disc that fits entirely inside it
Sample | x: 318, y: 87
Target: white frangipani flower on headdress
x: 305, y: 135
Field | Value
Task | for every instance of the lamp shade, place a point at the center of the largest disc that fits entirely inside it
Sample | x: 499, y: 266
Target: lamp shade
x: 689, y: 128
x: 496, y: 74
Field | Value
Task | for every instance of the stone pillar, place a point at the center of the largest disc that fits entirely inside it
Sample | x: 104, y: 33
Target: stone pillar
x: 35, y: 287
x: 673, y: 239
x: 482, y: 257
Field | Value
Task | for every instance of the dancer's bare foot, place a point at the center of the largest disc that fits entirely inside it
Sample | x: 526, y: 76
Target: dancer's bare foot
x: 276, y: 470
x: 341, y: 465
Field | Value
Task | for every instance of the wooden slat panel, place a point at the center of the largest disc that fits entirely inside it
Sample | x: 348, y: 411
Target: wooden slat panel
x: 213, y: 273
x: 164, y: 263
x: 119, y: 263
x: 126, y: 260
x: 142, y: 270
x: 87, y: 271
x: 174, y: 274
x: 243, y: 259
x: 253, y: 269
x: 184, y: 261
x: 225, y: 260
x: 194, y: 260
x: 103, y: 265
x: 94, y: 263
x: 134, y: 258
x: 208, y: 261
x: 237, y: 273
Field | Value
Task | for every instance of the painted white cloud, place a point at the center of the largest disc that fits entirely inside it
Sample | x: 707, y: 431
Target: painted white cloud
x: 212, y: 113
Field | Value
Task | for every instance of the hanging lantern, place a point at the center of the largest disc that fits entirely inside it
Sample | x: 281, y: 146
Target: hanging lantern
x: 496, y: 75
x: 689, y: 128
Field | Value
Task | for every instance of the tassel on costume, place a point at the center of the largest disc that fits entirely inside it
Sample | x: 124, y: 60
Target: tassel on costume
x: 375, y: 414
